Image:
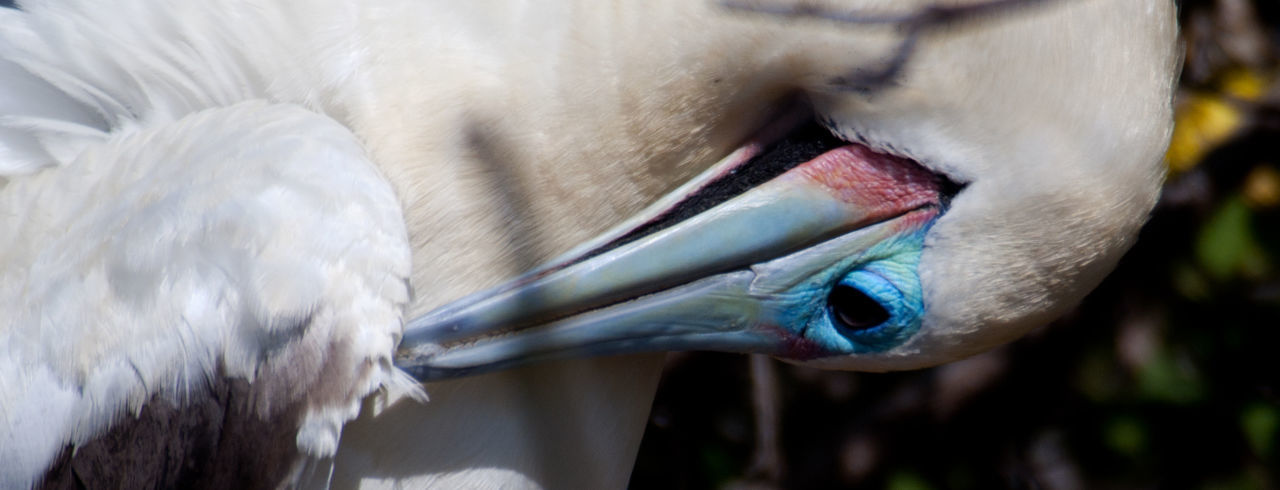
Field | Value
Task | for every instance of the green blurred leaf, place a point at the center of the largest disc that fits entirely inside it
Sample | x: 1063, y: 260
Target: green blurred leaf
x: 907, y: 480
x: 1227, y: 246
x: 1126, y: 435
x: 1165, y: 379
x: 1259, y: 422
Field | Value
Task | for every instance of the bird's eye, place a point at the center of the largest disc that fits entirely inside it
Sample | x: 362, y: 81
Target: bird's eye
x: 872, y: 308
x: 853, y: 309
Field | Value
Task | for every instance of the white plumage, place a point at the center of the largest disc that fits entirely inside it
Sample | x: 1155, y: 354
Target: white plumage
x: 199, y: 195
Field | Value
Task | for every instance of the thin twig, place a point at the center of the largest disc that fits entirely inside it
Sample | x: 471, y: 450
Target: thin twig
x: 766, y: 463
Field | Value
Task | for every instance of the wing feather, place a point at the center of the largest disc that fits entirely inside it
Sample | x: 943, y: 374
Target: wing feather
x: 253, y: 242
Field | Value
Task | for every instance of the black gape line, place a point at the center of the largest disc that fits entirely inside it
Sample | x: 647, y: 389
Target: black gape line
x: 913, y: 26
x: 804, y: 143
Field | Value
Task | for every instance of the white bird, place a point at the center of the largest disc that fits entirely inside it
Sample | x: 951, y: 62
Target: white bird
x: 217, y: 218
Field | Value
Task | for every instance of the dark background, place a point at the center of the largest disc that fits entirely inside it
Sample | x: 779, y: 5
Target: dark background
x: 1165, y: 377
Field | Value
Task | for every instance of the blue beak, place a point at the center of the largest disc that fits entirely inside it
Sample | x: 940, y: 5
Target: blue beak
x: 817, y: 261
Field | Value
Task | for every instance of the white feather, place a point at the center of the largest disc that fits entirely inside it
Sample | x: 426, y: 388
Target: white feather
x: 254, y: 241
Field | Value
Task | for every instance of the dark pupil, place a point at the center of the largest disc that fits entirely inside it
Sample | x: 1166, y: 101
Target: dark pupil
x: 854, y: 310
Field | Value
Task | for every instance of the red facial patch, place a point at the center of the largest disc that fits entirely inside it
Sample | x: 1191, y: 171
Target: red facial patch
x: 880, y: 186
x: 869, y: 180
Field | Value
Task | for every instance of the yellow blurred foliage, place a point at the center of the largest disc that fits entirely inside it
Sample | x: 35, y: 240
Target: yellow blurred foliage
x: 1204, y: 120
x: 1262, y: 187
x: 1244, y: 84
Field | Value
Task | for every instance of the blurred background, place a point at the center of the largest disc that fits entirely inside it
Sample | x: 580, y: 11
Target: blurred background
x: 1167, y: 376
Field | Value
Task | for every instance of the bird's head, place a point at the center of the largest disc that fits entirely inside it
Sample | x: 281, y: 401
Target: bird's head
x: 940, y: 181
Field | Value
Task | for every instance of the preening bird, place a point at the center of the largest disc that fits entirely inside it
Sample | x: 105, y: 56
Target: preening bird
x: 232, y: 234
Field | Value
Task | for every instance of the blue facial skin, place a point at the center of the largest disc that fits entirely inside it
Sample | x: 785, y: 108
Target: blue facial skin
x: 894, y: 284
x: 886, y: 273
